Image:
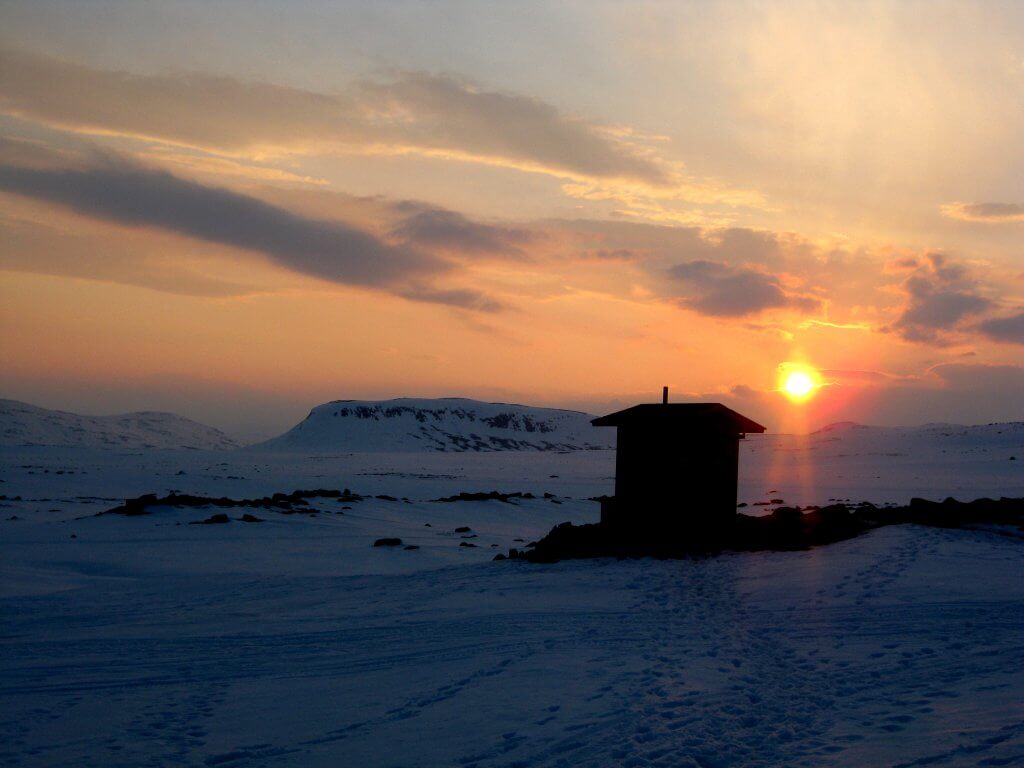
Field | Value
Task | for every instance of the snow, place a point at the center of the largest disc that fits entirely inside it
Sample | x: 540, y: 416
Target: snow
x: 22, y: 424
x: 294, y: 642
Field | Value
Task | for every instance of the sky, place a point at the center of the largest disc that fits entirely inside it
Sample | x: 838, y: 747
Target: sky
x: 236, y: 211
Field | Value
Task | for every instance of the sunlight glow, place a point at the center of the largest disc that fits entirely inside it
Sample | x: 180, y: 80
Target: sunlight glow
x: 798, y: 383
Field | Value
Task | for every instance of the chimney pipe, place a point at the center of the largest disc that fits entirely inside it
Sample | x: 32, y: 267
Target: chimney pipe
x: 664, y: 395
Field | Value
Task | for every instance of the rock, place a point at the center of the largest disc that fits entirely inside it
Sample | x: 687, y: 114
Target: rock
x: 411, y: 547
x: 247, y: 518
x: 463, y: 529
x: 488, y: 496
x: 466, y: 544
x: 388, y: 542
x: 217, y: 519
x: 385, y: 497
x: 499, y: 556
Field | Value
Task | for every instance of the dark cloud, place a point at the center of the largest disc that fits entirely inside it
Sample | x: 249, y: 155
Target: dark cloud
x: 150, y: 198
x: 713, y: 288
x: 1006, y: 329
x: 987, y: 212
x: 330, y: 250
x: 413, y: 110
x: 451, y: 231
x: 939, y: 297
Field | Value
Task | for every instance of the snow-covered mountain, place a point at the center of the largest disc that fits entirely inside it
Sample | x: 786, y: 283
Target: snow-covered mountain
x: 445, y: 424
x: 22, y: 424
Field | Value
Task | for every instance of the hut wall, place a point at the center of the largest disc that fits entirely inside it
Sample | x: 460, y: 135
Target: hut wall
x: 669, y: 479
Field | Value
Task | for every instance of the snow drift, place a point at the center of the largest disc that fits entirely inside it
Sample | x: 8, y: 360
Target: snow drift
x: 22, y: 424
x: 446, y: 424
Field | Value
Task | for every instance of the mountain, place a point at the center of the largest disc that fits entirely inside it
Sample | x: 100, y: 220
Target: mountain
x: 445, y: 424
x: 22, y: 424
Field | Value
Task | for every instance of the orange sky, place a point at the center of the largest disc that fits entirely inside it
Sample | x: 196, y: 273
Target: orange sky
x: 572, y: 206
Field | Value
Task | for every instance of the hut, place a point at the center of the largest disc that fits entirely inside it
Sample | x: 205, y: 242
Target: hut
x: 676, y: 467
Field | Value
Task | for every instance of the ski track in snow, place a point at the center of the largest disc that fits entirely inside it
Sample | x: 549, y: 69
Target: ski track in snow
x: 644, y: 663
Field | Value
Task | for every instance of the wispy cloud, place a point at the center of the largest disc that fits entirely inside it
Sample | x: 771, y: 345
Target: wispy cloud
x: 411, y: 111
x: 992, y: 213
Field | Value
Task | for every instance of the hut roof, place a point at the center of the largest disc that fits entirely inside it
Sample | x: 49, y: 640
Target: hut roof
x: 712, y: 417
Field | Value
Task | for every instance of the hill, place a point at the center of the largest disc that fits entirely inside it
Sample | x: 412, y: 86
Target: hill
x: 22, y: 424
x: 445, y: 424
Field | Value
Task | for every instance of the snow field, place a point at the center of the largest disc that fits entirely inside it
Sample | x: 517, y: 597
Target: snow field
x: 147, y: 641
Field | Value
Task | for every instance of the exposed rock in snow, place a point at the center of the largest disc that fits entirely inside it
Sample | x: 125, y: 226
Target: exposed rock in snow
x: 22, y: 424
x: 447, y: 424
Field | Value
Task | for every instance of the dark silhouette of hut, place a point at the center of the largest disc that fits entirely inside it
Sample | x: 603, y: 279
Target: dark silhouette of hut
x: 676, y: 466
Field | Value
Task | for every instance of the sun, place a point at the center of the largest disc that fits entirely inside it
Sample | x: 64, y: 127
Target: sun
x: 798, y: 383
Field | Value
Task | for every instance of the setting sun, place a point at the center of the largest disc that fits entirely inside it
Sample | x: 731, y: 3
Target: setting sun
x: 798, y: 384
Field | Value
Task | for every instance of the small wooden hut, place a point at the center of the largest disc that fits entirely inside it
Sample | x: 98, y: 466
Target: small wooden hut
x: 676, y: 467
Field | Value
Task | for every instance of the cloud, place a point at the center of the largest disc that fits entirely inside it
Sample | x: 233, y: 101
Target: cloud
x: 994, y: 213
x: 130, y: 195
x: 1005, y: 329
x: 1004, y: 378
x: 939, y: 296
x: 137, y: 196
x: 458, y: 115
x: 448, y: 230
x: 413, y: 111
x: 610, y: 254
x: 721, y: 290
x: 456, y: 297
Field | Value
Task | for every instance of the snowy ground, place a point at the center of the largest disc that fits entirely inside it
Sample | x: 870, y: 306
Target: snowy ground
x: 294, y: 642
